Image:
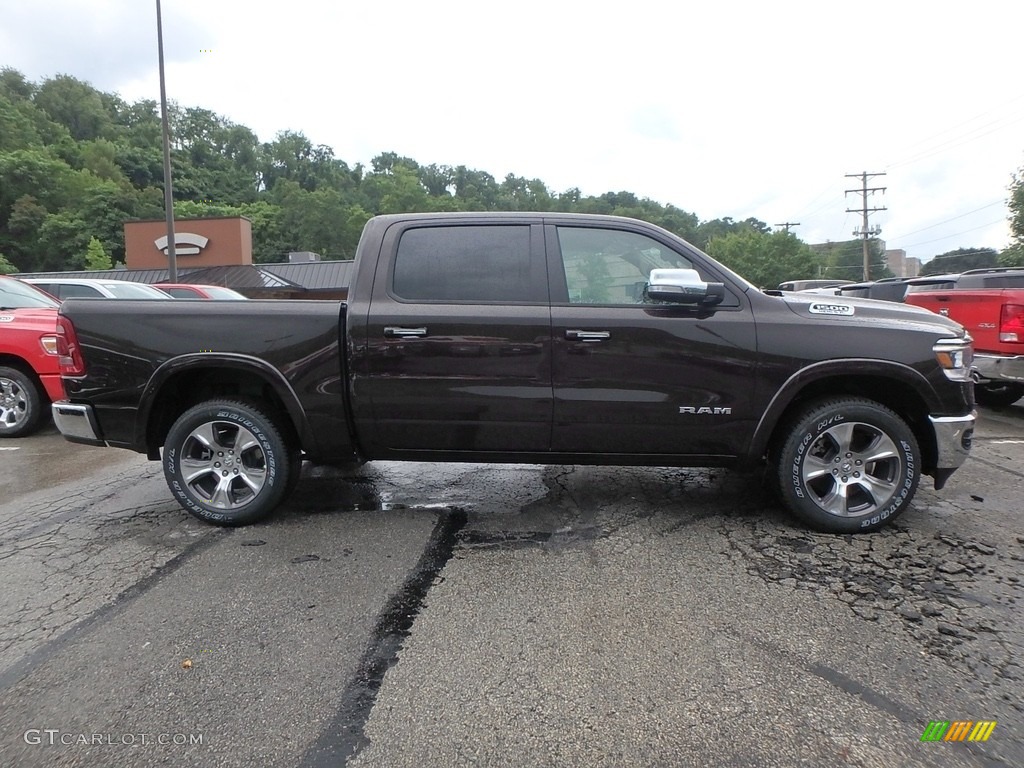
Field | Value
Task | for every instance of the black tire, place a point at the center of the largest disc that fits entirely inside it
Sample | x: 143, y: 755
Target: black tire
x: 214, y: 483
x: 848, y: 465
x: 22, y: 403
x: 998, y: 394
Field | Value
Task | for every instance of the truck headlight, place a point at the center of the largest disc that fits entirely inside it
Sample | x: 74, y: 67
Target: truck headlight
x: 955, y: 357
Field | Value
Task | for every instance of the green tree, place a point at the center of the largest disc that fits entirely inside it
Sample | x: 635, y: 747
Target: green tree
x: 95, y: 256
x: 844, y: 260
x: 76, y: 105
x: 961, y: 260
x: 764, y: 258
x: 6, y: 268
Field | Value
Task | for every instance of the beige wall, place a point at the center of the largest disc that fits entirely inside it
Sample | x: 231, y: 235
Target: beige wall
x: 229, y: 242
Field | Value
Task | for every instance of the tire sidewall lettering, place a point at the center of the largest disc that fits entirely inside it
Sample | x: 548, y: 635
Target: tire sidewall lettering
x: 803, y: 501
x: 265, y: 441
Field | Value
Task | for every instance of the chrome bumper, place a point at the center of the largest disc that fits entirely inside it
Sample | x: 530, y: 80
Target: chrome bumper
x: 953, y: 436
x: 76, y: 422
x: 1005, y: 367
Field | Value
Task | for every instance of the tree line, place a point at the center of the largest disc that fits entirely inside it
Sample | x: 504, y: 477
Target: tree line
x: 75, y: 163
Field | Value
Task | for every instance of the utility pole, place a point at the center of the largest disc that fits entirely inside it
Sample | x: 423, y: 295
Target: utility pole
x: 865, y: 232
x: 787, y: 224
x: 172, y: 258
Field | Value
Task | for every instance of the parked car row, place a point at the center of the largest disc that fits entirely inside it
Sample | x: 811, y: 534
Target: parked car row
x: 989, y: 303
x: 72, y: 287
x: 30, y: 342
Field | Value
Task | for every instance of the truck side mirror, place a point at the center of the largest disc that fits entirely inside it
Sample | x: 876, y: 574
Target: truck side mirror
x: 683, y: 286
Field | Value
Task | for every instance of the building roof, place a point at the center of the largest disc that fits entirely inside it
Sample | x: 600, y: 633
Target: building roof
x: 314, y: 275
x: 309, y: 276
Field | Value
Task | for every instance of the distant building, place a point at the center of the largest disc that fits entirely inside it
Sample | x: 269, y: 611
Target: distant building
x: 218, y: 251
x: 211, y: 242
x: 900, y: 264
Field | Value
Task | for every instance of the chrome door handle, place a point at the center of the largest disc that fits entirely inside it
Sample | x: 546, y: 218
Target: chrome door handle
x: 578, y: 335
x: 396, y: 332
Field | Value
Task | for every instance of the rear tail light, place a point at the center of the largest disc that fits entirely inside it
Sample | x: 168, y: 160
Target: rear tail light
x: 1011, y: 324
x: 71, y: 362
x: 49, y: 344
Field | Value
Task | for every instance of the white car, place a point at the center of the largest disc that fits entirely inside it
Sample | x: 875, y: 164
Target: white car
x: 74, y: 287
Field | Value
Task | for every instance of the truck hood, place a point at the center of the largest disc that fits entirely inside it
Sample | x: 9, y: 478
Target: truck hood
x: 869, y: 312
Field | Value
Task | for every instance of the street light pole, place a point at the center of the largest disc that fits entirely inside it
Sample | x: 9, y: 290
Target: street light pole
x: 172, y: 259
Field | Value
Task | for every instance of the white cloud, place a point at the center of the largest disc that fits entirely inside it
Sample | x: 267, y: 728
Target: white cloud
x: 728, y: 109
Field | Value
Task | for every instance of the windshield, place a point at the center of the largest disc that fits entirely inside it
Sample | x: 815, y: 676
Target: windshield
x: 15, y: 294
x: 133, y: 291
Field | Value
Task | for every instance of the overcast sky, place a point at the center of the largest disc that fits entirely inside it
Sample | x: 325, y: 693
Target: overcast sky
x: 719, y: 108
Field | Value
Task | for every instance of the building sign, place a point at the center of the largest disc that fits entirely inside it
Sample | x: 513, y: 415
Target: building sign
x: 185, y: 244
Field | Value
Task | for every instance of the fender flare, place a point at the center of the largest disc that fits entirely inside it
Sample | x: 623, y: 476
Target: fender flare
x: 824, y: 369
x: 197, y: 361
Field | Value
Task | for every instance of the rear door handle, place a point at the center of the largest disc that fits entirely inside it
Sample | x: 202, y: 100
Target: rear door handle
x: 578, y: 335
x: 396, y: 332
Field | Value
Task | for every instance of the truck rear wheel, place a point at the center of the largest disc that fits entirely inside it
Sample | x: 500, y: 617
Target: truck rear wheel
x: 996, y: 394
x: 21, y: 403
x: 227, y: 463
x: 848, y: 465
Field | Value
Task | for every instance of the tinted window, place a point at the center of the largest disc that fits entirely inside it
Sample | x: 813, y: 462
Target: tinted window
x: 605, y: 266
x: 181, y: 293
x: 77, y: 291
x: 945, y: 285
x: 474, y: 264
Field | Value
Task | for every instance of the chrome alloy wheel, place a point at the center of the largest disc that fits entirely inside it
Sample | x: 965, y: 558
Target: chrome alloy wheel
x: 223, y: 464
x: 13, y: 403
x: 851, y: 469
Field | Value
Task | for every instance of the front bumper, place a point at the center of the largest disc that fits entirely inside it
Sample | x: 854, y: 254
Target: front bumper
x: 77, y: 423
x: 1004, y: 367
x: 953, y: 436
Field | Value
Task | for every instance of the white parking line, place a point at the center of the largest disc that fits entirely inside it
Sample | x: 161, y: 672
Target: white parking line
x: 1007, y: 442
x: 12, y: 448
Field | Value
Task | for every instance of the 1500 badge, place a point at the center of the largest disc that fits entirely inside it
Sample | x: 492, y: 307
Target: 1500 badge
x: 830, y: 309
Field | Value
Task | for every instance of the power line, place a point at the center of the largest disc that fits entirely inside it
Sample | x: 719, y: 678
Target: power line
x: 955, y: 234
x: 954, y: 218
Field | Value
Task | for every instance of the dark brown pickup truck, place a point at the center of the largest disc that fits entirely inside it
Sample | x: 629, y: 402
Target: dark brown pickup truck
x: 532, y: 338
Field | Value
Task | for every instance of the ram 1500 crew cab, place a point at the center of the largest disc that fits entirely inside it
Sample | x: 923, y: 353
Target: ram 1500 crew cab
x: 527, y: 337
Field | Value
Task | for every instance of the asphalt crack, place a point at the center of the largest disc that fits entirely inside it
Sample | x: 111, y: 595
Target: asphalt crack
x: 345, y: 736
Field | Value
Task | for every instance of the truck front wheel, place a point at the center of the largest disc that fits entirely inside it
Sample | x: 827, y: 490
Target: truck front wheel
x: 227, y: 463
x: 848, y: 465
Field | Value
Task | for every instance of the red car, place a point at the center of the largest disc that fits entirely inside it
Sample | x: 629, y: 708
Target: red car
x: 188, y: 291
x: 29, y: 370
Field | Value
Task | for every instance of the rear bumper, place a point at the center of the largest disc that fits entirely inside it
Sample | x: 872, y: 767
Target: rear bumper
x: 1004, y: 367
x: 77, y: 423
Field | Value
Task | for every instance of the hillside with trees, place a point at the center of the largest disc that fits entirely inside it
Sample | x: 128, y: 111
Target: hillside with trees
x: 75, y: 163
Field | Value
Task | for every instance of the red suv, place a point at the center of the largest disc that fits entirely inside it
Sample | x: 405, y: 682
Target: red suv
x: 29, y: 371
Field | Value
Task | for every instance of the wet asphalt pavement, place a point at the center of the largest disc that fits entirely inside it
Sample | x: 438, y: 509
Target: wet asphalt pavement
x: 449, y: 615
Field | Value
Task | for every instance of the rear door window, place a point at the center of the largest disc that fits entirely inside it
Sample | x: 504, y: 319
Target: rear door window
x: 472, y: 264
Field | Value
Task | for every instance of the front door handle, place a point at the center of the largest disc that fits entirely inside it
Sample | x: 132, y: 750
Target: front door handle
x: 578, y: 335
x: 396, y: 332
